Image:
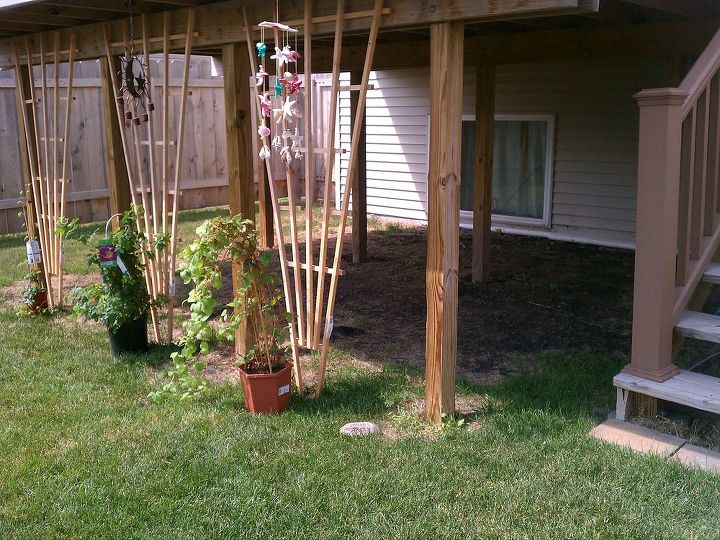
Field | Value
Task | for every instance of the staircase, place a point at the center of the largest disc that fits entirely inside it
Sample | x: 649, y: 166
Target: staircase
x: 677, y: 236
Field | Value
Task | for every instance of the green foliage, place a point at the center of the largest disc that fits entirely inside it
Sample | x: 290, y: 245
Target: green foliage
x: 33, y: 288
x: 257, y: 302
x: 122, y: 297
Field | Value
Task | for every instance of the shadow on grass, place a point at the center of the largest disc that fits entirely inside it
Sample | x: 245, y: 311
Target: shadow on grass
x: 564, y: 386
x: 154, y: 358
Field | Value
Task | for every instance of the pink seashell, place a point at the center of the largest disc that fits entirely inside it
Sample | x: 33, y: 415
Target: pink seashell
x: 264, y: 131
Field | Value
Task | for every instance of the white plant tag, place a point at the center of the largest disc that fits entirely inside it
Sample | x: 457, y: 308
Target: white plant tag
x: 172, y: 287
x: 34, y: 255
x: 283, y: 390
x: 331, y: 323
x: 121, y: 265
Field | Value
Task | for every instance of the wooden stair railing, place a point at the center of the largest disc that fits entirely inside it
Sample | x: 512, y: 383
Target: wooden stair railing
x: 678, y: 209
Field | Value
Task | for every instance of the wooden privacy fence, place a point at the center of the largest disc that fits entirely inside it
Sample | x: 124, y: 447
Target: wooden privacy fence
x: 204, y: 174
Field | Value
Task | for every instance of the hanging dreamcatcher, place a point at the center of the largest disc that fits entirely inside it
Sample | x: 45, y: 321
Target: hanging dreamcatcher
x: 133, y: 76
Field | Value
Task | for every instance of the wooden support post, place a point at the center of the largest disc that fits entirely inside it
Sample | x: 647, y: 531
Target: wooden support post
x: 22, y: 78
x: 120, y: 198
x: 482, y: 188
x: 657, y: 230
x: 446, y: 95
x: 238, y: 128
x: 359, y: 189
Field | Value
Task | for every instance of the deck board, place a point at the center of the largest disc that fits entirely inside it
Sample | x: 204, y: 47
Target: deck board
x: 686, y: 388
x: 694, y: 324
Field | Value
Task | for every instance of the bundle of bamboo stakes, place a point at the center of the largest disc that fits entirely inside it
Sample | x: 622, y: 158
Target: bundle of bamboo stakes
x: 154, y: 180
x: 48, y: 150
x: 308, y: 328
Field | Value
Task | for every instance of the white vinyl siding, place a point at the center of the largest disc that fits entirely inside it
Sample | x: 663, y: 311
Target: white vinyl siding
x: 595, y: 156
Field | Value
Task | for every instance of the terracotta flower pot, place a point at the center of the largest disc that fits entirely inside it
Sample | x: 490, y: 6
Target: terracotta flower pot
x: 266, y: 392
x: 40, y: 301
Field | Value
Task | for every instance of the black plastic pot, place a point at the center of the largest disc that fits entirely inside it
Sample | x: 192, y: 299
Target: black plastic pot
x: 131, y: 337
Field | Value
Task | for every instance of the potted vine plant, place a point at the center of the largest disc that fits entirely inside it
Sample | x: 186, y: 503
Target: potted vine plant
x: 35, y: 295
x: 264, y: 369
x: 121, y: 300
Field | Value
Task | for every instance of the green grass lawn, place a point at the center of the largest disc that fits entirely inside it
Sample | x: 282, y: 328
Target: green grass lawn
x: 85, y: 454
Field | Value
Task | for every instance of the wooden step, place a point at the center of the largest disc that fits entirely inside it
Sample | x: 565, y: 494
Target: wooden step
x: 686, y: 388
x: 712, y: 273
x: 694, y: 324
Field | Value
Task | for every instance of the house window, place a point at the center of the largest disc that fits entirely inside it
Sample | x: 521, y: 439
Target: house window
x: 522, y: 168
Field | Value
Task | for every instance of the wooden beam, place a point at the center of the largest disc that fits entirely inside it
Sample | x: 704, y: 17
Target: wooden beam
x: 220, y: 23
x: 238, y: 128
x: 446, y: 96
x: 482, y: 187
x: 683, y: 8
x: 118, y: 183
x: 359, y: 189
x: 621, y: 41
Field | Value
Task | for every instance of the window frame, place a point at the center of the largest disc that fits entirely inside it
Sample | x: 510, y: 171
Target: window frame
x: 546, y: 220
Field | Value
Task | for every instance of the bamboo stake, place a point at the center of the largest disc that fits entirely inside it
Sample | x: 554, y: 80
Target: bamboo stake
x: 309, y: 174
x: 165, y: 155
x: 126, y: 151
x: 56, y: 178
x: 352, y: 171
x: 292, y: 213
x: 181, y: 135
x: 66, y: 144
x: 329, y: 165
x: 46, y: 158
x: 149, y: 263
x: 151, y: 156
x: 31, y: 159
x: 41, y: 210
x: 279, y: 234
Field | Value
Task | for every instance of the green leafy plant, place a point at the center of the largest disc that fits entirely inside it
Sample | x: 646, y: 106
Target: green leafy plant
x: 122, y: 296
x: 257, y: 302
x: 33, y: 289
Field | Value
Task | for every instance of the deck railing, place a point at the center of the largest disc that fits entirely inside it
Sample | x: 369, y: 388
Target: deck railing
x: 678, y: 226
x: 699, y: 196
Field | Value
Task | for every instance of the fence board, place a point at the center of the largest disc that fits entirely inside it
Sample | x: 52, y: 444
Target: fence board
x: 204, y: 157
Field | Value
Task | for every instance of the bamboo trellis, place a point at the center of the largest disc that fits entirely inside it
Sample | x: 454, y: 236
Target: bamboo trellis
x: 308, y: 328
x: 150, y: 175
x: 48, y: 159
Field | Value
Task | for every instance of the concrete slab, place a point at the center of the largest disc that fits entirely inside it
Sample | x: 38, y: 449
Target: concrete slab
x: 698, y: 457
x: 637, y: 438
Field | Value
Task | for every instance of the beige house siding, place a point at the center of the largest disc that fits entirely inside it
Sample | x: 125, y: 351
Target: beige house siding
x: 595, y: 152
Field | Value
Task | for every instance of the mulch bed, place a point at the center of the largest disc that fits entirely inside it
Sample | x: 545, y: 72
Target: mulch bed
x: 542, y: 296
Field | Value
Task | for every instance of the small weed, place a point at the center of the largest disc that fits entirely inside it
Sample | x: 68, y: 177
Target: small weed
x: 394, y: 227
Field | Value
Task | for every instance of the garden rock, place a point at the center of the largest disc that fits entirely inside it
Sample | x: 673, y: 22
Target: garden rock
x: 359, y: 429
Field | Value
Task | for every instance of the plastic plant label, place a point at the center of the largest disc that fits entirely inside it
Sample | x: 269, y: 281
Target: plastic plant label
x: 121, y: 265
x: 283, y: 390
x: 34, y: 256
x: 172, y: 287
x: 331, y: 323
x: 106, y: 254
